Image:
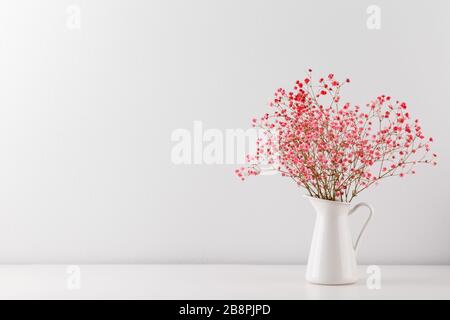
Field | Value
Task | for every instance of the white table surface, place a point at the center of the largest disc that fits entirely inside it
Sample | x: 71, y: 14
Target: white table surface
x: 213, y: 282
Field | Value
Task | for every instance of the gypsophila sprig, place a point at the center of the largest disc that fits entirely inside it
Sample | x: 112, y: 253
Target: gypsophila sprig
x: 335, y: 150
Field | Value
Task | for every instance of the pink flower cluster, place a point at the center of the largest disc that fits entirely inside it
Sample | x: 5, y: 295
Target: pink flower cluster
x: 336, y: 150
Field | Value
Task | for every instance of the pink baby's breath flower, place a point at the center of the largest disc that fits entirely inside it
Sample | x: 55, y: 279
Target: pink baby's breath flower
x: 333, y: 151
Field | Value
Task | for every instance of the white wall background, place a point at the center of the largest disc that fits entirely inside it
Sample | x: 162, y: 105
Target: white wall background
x: 86, y: 118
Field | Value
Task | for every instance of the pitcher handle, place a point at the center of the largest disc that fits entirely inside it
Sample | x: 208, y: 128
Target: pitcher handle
x: 352, y: 210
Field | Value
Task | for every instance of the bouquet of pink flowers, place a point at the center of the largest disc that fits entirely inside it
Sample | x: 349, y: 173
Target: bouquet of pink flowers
x: 335, y: 150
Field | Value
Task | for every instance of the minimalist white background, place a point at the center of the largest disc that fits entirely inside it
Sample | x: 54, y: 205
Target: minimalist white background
x: 86, y: 117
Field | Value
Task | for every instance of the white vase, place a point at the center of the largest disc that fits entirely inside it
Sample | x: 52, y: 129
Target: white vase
x: 332, y: 257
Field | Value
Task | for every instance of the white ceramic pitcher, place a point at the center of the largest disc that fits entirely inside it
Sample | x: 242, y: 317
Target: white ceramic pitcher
x: 332, y: 257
